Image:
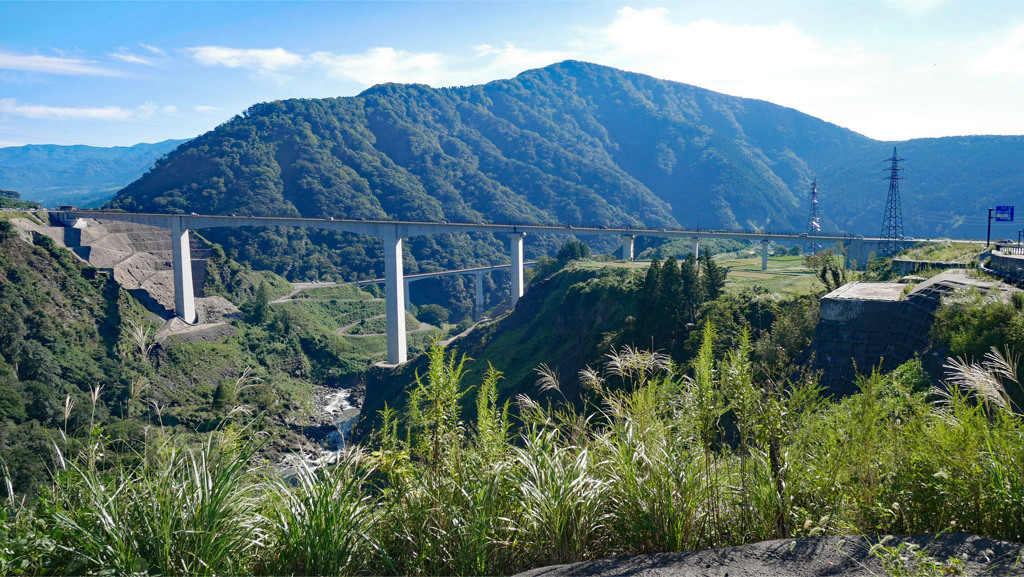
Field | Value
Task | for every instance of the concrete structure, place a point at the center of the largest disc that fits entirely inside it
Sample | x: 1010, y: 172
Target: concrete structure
x: 394, y: 298
x: 1009, y: 259
x: 392, y: 232
x: 904, y: 267
x: 184, y: 297
x: 515, y: 246
x: 628, y: 244
x: 863, y: 326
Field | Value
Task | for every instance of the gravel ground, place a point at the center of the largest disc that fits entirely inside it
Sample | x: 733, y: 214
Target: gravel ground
x: 807, y: 557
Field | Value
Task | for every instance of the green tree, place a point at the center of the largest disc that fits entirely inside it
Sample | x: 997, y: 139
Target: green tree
x: 433, y: 314
x: 827, y: 265
x: 573, y: 250
x: 669, y: 311
x: 259, y: 307
x: 713, y: 281
x: 650, y: 294
x: 693, y: 293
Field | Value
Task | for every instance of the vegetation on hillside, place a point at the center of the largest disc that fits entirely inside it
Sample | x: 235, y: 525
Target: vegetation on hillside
x: 970, y: 325
x: 658, y: 460
x: 12, y: 199
x: 571, y: 144
x: 962, y: 252
x: 69, y: 334
x: 572, y: 317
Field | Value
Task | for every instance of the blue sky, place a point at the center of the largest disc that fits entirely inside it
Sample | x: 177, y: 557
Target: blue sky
x: 118, y: 73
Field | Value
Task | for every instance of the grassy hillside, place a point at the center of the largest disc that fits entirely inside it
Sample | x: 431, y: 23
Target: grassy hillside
x: 666, y: 461
x: 576, y: 316
x: 69, y: 334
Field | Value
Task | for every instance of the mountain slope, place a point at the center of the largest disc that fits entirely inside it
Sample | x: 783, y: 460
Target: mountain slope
x: 572, y: 143
x: 81, y: 175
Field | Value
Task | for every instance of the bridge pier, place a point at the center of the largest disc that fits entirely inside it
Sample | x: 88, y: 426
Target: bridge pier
x: 696, y: 247
x: 406, y: 291
x: 478, y: 310
x: 394, y: 298
x: 764, y: 255
x: 181, y: 262
x: 515, y: 241
x: 628, y: 242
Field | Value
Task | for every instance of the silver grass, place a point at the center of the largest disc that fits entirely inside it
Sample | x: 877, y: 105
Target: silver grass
x: 548, y: 378
x: 984, y: 380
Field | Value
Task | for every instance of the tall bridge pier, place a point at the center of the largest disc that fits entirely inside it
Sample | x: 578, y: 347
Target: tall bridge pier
x: 394, y: 299
x: 181, y: 262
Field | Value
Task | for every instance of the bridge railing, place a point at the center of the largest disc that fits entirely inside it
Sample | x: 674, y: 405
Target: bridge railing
x: 1014, y: 249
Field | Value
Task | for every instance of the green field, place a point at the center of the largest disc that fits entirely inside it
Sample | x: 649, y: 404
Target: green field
x: 785, y: 274
x: 344, y: 291
x: 944, y: 251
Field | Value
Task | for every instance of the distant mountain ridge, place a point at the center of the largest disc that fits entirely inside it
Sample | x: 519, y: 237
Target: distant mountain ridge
x: 81, y: 175
x: 572, y: 143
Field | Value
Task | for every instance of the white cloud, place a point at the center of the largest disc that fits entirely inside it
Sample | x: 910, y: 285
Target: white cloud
x: 132, y: 59
x: 917, y: 6
x: 739, y: 59
x: 263, y: 60
x: 378, y: 65
x: 385, y: 64
x: 11, y: 107
x: 491, y: 62
x: 151, y: 48
x: 53, y: 65
x: 1006, y: 58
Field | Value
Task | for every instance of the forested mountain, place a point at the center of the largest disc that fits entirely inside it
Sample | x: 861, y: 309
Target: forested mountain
x: 80, y: 175
x: 572, y: 143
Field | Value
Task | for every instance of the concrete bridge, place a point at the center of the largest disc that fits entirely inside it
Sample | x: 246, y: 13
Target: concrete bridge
x: 392, y: 232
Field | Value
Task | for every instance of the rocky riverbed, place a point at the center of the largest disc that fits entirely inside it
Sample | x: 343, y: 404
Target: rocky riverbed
x: 335, y: 413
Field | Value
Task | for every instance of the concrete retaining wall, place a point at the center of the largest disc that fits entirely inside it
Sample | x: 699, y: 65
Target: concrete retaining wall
x: 905, y: 267
x: 867, y: 326
x: 1010, y: 263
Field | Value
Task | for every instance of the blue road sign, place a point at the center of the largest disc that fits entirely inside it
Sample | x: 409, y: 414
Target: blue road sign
x: 1004, y: 214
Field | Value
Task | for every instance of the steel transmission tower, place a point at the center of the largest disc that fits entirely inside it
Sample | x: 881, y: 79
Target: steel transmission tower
x: 892, y: 224
x: 813, y: 222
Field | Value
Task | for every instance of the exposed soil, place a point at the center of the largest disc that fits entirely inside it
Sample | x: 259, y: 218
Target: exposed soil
x: 808, y: 557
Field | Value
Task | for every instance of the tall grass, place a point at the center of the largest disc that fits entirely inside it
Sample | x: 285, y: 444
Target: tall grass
x: 173, y: 512
x: 654, y: 460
